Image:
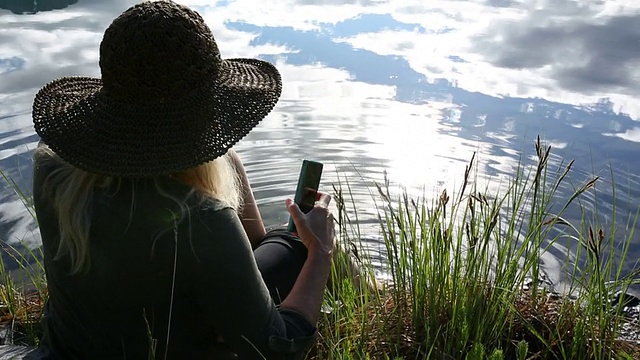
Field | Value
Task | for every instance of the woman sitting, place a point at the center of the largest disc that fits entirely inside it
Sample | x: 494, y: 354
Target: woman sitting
x: 153, y: 243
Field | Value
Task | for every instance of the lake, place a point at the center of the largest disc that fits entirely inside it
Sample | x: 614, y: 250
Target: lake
x: 408, y: 88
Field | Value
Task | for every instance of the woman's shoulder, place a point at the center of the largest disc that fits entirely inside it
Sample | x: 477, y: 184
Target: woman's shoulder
x: 213, y: 211
x: 193, y: 199
x: 196, y: 209
x: 44, y: 159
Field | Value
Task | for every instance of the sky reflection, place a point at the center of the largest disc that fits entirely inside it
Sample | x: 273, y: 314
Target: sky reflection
x: 412, y: 88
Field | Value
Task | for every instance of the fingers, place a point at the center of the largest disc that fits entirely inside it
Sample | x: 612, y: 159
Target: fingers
x: 294, y: 210
x: 331, y: 222
x: 323, y: 199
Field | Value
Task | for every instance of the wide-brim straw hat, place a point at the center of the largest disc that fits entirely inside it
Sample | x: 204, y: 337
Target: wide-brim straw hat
x: 166, y: 100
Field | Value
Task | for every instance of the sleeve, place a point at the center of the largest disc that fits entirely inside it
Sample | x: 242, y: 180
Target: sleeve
x: 234, y: 299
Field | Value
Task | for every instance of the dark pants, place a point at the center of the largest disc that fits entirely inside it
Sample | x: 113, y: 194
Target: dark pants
x: 280, y: 257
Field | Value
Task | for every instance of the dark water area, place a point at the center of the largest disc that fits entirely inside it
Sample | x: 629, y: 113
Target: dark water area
x: 371, y: 87
x: 21, y: 7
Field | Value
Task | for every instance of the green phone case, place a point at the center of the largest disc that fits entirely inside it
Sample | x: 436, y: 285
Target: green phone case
x: 307, y: 188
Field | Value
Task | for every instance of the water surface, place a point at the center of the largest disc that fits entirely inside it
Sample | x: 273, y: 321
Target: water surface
x: 409, y: 88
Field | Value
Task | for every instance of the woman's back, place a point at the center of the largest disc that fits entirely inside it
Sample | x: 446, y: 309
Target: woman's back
x: 120, y: 307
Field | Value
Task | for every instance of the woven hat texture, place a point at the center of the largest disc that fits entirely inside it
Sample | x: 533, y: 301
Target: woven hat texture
x: 166, y: 100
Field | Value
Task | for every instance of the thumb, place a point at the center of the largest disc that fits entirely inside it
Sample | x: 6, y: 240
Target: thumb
x: 294, y: 210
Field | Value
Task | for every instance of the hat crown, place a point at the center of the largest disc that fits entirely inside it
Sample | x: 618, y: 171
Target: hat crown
x: 157, y: 51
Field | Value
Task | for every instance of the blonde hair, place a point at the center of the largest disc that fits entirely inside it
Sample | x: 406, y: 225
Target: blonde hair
x: 71, y: 192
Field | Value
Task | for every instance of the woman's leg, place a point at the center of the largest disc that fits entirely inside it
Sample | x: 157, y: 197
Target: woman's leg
x: 280, y: 257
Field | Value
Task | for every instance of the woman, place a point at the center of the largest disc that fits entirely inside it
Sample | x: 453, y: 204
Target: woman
x: 138, y: 196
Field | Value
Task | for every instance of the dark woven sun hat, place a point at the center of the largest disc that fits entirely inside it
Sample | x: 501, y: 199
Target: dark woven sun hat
x: 166, y: 100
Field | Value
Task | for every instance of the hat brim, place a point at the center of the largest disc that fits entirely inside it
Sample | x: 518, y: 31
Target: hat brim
x: 79, y: 121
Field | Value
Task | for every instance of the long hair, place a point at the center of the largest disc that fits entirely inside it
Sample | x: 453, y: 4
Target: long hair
x: 71, y: 192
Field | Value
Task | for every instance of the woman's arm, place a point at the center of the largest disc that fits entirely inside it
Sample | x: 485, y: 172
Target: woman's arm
x: 230, y: 293
x: 249, y: 213
x: 316, y: 230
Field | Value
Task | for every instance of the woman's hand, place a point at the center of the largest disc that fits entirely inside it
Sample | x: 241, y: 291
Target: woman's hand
x: 315, y: 228
x: 316, y: 231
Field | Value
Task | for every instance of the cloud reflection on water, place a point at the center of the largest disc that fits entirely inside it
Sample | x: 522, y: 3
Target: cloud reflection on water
x: 411, y: 87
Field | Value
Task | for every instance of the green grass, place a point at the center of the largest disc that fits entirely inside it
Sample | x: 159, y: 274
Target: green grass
x: 23, y: 288
x: 457, y: 266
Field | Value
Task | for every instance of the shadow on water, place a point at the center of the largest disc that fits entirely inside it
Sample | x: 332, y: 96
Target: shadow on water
x: 21, y: 7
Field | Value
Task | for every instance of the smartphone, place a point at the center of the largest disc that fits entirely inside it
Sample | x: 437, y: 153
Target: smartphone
x: 307, y: 188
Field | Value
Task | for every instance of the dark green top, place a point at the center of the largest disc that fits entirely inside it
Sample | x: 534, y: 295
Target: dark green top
x: 123, y: 306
